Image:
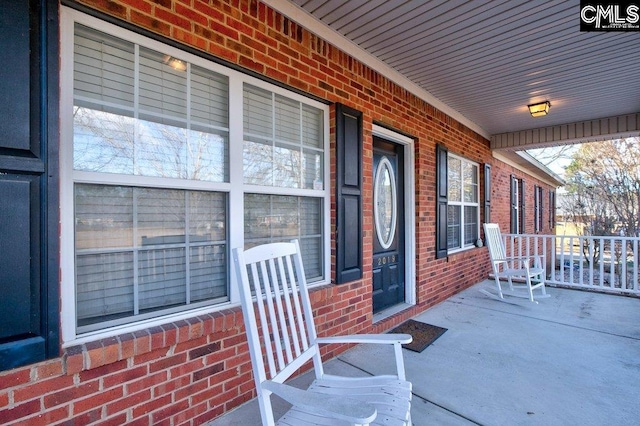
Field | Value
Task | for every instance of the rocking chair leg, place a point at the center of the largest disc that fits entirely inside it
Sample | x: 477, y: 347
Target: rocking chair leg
x: 499, y: 287
x: 530, y: 289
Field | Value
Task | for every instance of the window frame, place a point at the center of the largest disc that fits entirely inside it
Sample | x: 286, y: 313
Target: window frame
x: 234, y: 188
x: 464, y: 246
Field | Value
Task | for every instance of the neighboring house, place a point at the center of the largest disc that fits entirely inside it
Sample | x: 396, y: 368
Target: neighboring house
x: 139, y: 143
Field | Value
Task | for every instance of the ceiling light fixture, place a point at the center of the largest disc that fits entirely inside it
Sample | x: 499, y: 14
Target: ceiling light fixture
x: 540, y: 109
x: 174, y: 63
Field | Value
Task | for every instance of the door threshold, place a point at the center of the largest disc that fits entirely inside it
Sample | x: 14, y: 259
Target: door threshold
x: 389, y: 312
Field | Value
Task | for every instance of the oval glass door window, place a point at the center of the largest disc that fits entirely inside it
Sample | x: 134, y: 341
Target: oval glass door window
x: 384, y: 203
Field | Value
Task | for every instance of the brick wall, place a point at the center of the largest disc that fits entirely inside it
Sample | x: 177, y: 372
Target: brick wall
x: 192, y: 371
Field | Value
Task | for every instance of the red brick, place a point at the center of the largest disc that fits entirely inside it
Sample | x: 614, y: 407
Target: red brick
x: 186, y: 368
x: 146, y: 382
x: 185, y: 417
x: 73, y: 359
x: 49, y: 369
x: 151, y: 23
x: 170, y: 386
x: 117, y: 420
x: 86, y: 418
x: 145, y: 420
x: 20, y: 411
x: 206, y: 372
x: 189, y: 390
x: 191, y: 14
x: 204, y: 350
x: 94, y: 373
x: 193, y: 342
x: 124, y: 376
x: 127, y: 345
x: 129, y: 400
x: 15, y: 378
x: 150, y: 406
x: 97, y: 400
x: 208, y: 10
x: 46, y: 418
x: 167, y: 362
x: 169, y: 410
x: 43, y: 387
x: 67, y: 395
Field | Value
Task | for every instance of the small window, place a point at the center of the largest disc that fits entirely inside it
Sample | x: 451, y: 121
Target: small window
x: 463, y: 208
x: 518, y: 208
x: 538, y: 193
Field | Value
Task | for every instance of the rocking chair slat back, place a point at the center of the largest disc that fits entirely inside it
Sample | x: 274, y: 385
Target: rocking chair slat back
x: 286, y: 331
x: 494, y: 242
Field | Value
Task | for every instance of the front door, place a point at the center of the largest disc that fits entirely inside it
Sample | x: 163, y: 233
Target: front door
x: 388, y: 224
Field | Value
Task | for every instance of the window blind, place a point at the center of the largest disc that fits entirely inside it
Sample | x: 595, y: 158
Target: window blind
x: 282, y: 141
x: 177, y: 126
x: 103, y: 71
x: 274, y: 218
x: 140, y: 250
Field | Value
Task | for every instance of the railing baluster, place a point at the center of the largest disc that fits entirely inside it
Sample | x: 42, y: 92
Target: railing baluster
x: 601, y: 262
x: 635, y: 265
x: 565, y: 251
x: 623, y: 259
x: 554, y: 250
x: 612, y: 272
x: 562, y: 258
x: 592, y: 244
x: 571, y: 260
x: 581, y: 241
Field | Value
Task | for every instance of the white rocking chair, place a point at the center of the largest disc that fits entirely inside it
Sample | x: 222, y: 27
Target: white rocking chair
x: 282, y: 333
x: 526, y: 270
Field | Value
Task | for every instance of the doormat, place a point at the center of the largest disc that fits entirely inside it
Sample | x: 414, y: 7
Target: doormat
x: 423, y: 334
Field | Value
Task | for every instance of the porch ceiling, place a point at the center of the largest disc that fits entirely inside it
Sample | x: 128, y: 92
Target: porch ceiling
x: 487, y: 60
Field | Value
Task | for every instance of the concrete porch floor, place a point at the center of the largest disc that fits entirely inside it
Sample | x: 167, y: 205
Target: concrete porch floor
x: 573, y: 359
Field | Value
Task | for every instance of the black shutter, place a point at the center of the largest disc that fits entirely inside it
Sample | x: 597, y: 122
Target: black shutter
x: 522, y: 208
x: 537, y: 222
x: 348, y: 194
x: 487, y: 193
x: 514, y: 205
x: 541, y: 207
x: 552, y: 209
x: 442, y: 194
x: 29, y: 262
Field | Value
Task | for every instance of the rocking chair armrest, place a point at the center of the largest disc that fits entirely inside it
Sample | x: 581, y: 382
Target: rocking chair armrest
x: 537, y: 259
x: 386, y: 338
x: 336, y: 407
x: 507, y: 259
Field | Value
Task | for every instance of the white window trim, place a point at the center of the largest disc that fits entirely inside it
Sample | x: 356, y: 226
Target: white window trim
x: 462, y: 203
x: 235, y: 197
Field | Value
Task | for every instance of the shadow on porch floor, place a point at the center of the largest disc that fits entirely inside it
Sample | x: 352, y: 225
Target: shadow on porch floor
x: 572, y: 359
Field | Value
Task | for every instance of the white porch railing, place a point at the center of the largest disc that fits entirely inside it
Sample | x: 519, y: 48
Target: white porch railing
x: 607, y: 264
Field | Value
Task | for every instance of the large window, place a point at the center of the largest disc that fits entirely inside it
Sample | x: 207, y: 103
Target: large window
x: 463, y: 208
x: 171, y: 161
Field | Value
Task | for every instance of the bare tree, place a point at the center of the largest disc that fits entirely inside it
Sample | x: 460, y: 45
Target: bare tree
x: 605, y: 178
x: 603, y: 192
